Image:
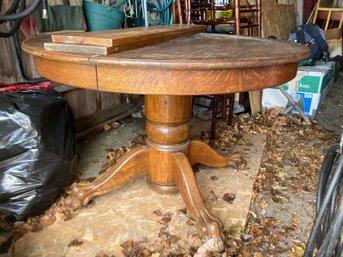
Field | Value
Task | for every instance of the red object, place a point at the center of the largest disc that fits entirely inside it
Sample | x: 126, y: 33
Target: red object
x: 28, y: 27
x: 308, y: 7
x: 14, y: 87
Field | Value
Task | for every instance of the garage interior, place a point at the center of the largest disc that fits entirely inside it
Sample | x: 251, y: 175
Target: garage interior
x: 283, y: 197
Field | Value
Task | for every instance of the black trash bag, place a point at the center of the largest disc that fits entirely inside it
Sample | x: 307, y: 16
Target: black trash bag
x: 37, y: 150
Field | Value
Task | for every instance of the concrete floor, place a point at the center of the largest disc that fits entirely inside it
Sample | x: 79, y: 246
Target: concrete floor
x: 330, y: 114
x: 129, y: 213
x: 134, y: 211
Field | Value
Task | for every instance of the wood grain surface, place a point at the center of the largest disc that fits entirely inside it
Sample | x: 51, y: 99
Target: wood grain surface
x: 191, y: 65
x: 117, y: 37
x: 114, y: 41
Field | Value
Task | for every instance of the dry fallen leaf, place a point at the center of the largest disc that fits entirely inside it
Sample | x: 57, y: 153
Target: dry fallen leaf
x: 295, y: 218
x: 110, y: 126
x: 167, y: 217
x: 107, y: 127
x: 290, y: 165
x: 214, y: 178
x: 132, y: 248
x: 298, y: 251
x: 210, y: 246
x: 140, y: 139
x: 157, y: 212
x: 75, y: 242
x: 229, y: 197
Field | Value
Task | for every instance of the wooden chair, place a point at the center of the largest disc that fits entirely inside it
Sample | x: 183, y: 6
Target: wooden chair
x: 249, y: 18
x: 240, y: 16
x: 331, y: 17
x: 216, y: 99
x: 244, y: 19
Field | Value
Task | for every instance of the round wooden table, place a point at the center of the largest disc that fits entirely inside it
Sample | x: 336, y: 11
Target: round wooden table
x: 169, y: 74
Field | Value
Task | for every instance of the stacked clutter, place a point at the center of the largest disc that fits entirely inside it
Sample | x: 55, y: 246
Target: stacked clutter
x: 308, y: 88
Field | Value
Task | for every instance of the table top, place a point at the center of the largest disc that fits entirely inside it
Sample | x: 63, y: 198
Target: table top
x: 202, y: 63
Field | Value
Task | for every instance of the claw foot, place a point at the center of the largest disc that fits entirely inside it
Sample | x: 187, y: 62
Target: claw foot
x: 213, y: 229
x: 79, y: 196
x: 236, y: 160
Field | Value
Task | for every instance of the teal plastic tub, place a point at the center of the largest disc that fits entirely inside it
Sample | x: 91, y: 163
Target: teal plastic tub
x: 102, y: 17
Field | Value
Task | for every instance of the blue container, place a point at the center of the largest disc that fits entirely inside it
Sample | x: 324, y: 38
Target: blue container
x: 102, y: 17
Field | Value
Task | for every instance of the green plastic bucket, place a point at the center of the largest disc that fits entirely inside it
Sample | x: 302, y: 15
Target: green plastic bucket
x: 101, y: 17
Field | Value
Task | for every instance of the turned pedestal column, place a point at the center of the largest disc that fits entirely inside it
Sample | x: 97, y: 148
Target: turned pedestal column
x: 167, y: 131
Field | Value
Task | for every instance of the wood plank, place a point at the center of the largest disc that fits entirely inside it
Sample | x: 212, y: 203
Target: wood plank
x: 117, y: 37
x: 113, y: 41
x: 255, y: 97
x: 27, y: 60
x: 280, y: 25
x: 82, y: 102
x: 76, y: 48
x: 110, y: 100
x: 110, y: 115
x: 336, y: 14
x: 8, y: 70
x: 104, y: 50
x: 8, y: 73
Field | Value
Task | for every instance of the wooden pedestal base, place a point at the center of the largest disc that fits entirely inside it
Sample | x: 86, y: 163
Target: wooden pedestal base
x: 166, y: 161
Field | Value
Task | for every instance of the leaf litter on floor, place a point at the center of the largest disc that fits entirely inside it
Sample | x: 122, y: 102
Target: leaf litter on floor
x: 278, y: 223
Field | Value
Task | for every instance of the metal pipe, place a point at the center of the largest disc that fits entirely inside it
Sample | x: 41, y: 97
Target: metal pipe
x: 44, y: 10
x: 145, y: 11
x: 300, y: 12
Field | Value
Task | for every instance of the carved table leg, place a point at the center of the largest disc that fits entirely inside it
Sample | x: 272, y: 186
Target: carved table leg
x: 166, y: 160
x: 209, y: 226
x: 133, y: 164
x: 204, y: 154
x: 172, y: 154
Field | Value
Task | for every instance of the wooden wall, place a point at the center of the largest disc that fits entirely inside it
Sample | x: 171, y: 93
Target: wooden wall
x: 89, y: 107
x: 8, y: 71
x: 8, y: 67
x: 331, y: 3
x: 278, y: 18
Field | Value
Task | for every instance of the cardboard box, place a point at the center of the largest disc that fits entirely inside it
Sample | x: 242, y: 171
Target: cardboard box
x: 333, y: 38
x: 308, y: 102
x: 308, y: 88
x: 272, y: 97
x: 313, y: 79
